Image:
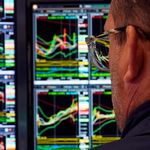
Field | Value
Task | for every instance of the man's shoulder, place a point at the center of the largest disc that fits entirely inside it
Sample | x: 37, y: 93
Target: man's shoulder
x: 131, y: 143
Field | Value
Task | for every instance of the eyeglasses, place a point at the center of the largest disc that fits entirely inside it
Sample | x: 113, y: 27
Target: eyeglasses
x: 99, y: 48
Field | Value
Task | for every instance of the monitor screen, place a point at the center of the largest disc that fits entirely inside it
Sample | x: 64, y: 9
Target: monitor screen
x: 72, y: 98
x: 7, y: 76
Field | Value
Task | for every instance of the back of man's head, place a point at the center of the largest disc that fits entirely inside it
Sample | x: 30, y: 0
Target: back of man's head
x: 132, y: 12
x: 129, y: 56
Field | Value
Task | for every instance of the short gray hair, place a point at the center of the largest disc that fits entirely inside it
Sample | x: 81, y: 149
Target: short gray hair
x: 131, y: 12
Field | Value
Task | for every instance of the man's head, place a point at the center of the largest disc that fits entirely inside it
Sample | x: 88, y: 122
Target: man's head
x: 129, y: 56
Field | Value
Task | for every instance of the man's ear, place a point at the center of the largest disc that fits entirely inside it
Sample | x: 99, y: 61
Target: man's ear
x: 134, y: 54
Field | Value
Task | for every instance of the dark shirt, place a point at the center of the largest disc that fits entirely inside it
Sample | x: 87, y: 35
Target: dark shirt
x: 136, y: 134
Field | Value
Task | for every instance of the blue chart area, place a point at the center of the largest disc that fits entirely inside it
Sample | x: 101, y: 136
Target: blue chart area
x: 63, y: 69
x: 59, y: 147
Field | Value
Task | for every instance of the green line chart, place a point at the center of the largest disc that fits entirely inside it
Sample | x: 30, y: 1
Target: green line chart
x: 60, y: 147
x: 59, y: 43
x: 53, y: 116
x: 103, y: 116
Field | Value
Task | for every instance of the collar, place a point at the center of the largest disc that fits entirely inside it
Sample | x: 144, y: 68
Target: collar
x: 136, y: 117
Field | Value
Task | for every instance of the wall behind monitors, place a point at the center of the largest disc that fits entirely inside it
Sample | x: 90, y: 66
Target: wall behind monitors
x: 72, y: 98
x: 7, y: 76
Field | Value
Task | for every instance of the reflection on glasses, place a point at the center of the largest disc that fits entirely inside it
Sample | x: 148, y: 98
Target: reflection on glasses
x: 99, y: 48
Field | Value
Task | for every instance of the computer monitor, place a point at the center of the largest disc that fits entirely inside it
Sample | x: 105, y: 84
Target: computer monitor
x: 72, y: 98
x: 7, y: 76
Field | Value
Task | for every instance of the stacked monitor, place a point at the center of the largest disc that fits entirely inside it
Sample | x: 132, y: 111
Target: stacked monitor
x: 72, y: 98
x: 7, y: 76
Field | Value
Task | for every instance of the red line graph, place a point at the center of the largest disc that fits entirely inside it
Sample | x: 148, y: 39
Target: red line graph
x: 50, y: 104
x: 65, y: 38
x: 47, y: 103
x: 101, y: 122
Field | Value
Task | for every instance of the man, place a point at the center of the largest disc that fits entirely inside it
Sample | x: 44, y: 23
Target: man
x: 129, y: 62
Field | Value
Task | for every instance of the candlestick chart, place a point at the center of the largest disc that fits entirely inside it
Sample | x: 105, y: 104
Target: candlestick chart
x: 56, y: 113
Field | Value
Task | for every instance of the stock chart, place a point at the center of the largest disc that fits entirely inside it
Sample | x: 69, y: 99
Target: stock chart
x: 56, y: 46
x: 98, y: 28
x: 103, y: 117
x: 58, y: 114
x: 103, y: 114
x: 65, y: 107
x: 7, y: 76
x: 72, y: 98
x: 59, y: 43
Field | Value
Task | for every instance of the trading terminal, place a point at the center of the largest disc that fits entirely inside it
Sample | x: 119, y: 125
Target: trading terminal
x: 51, y: 94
